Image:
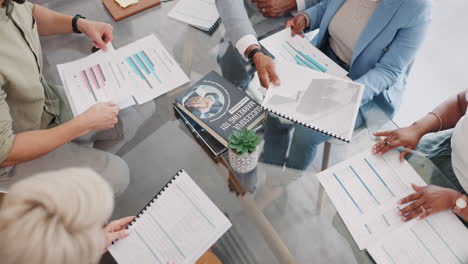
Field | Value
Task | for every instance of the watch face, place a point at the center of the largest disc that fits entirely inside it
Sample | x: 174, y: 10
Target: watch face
x: 461, y: 203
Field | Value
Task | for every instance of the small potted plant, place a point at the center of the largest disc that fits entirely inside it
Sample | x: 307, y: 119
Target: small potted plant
x: 243, y: 151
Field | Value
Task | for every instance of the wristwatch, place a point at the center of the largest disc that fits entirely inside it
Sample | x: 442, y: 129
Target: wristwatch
x: 460, y: 204
x: 252, y: 53
x: 74, y: 23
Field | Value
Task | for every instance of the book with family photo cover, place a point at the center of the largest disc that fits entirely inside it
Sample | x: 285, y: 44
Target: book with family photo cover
x: 220, y: 107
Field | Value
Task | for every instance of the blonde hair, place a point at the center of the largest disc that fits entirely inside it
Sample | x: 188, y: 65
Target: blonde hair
x: 55, y: 218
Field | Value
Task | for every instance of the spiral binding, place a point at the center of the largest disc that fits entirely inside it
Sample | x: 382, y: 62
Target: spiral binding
x: 305, y: 124
x: 163, y: 189
x: 214, y: 26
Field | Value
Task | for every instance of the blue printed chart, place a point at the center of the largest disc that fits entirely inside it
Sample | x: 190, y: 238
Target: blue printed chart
x: 365, y: 190
x: 153, y: 70
x: 440, y: 238
x: 299, y: 50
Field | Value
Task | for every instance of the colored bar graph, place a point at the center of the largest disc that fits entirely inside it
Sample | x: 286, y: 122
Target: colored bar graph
x: 443, y: 241
x: 308, y: 58
x: 364, y: 184
x: 346, y: 191
x: 98, y: 71
x: 87, y: 84
x: 137, y: 70
x: 308, y: 64
x: 94, y: 79
x: 424, y: 245
x: 380, y: 178
x: 140, y: 63
x: 150, y: 64
x: 148, y: 247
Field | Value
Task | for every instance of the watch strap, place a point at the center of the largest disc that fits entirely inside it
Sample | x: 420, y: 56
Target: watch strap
x: 252, y: 53
x: 74, y: 23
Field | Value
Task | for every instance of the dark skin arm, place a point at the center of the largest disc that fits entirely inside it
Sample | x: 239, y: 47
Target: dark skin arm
x: 430, y: 199
x: 450, y: 111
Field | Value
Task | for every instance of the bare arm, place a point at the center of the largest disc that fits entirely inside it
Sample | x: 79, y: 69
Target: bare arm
x: 33, y: 144
x: 449, y: 111
x: 52, y: 23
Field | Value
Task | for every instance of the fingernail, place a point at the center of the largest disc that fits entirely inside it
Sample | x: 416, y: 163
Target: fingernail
x: 399, y: 202
x: 404, y: 219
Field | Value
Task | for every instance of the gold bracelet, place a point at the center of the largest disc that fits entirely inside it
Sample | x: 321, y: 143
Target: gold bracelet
x: 440, y: 120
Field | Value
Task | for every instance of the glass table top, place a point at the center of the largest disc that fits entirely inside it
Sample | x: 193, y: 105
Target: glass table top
x: 276, y: 212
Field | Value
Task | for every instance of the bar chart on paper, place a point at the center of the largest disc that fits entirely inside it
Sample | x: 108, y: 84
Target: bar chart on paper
x: 369, y: 182
x: 94, y: 81
x: 299, y: 50
x: 91, y: 80
x: 153, y: 69
x: 440, y: 238
x: 144, y: 68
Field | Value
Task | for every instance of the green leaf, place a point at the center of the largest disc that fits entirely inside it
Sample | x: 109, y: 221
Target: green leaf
x: 233, y: 146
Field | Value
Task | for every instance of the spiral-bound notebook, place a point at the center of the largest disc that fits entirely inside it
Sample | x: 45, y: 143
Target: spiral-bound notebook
x: 201, y: 14
x: 177, y: 226
x: 316, y: 100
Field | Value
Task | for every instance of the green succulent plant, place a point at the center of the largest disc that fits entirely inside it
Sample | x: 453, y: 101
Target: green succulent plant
x: 244, y: 141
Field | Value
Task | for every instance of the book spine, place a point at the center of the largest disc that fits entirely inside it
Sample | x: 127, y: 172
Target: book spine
x: 305, y: 124
x: 150, y: 203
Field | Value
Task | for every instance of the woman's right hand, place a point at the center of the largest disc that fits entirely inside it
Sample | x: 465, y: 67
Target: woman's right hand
x: 101, y: 116
x: 297, y: 24
x: 407, y: 137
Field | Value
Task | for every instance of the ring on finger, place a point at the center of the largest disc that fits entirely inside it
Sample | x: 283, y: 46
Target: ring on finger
x: 423, y: 209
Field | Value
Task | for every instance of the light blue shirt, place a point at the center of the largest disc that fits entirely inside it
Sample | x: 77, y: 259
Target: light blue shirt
x: 386, y: 49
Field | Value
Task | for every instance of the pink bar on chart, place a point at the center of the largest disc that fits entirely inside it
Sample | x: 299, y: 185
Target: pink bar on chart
x: 92, y: 77
x: 85, y: 80
x: 98, y: 72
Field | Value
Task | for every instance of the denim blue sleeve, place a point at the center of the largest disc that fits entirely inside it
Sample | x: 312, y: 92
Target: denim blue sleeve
x: 316, y: 13
x: 395, y: 61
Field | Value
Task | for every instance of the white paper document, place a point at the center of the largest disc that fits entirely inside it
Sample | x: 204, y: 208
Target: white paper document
x: 365, y: 190
x: 93, y: 79
x: 178, y: 226
x: 315, y: 99
x: 440, y: 238
x: 142, y: 70
x: 153, y: 69
x: 202, y: 14
x: 299, y: 50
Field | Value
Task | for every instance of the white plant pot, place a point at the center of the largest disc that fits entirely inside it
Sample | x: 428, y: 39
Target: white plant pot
x: 244, y: 163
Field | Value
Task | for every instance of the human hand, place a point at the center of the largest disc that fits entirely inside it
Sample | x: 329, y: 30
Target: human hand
x: 275, y: 8
x: 407, y: 137
x: 427, y: 200
x: 101, y: 116
x: 100, y: 33
x: 116, y: 230
x: 297, y: 25
x: 266, y: 70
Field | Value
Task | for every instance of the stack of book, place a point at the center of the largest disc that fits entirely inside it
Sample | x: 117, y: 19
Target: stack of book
x: 213, y: 109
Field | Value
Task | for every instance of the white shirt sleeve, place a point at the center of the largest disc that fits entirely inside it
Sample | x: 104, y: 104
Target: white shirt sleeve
x: 245, y: 42
x: 301, y: 5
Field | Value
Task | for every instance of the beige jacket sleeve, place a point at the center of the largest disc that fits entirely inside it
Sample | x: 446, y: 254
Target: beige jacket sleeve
x: 6, y: 132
